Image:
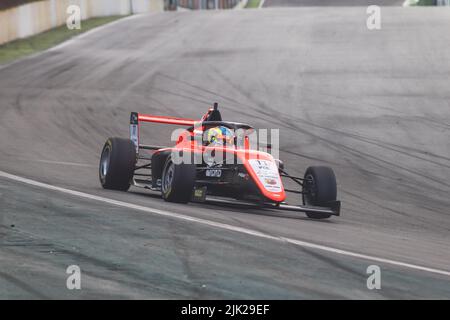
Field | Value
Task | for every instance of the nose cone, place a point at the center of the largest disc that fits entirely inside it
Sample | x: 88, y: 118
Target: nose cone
x: 264, y: 172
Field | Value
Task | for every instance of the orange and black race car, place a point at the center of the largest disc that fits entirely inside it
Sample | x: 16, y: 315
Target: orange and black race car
x: 212, y: 158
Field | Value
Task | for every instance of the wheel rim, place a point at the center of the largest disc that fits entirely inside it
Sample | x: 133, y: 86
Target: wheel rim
x: 310, y: 189
x: 168, y: 177
x: 104, y: 162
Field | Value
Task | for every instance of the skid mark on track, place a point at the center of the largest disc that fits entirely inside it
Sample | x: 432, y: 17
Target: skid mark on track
x: 24, y: 286
x: 292, y: 123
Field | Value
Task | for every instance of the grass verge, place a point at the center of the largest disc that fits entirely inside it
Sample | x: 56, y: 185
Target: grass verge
x: 252, y: 4
x: 420, y: 3
x: 23, y: 47
x: 426, y: 3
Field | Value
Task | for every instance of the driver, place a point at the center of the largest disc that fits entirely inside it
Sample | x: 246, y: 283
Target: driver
x: 219, y: 136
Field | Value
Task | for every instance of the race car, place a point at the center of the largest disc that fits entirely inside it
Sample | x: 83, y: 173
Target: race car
x: 213, y: 158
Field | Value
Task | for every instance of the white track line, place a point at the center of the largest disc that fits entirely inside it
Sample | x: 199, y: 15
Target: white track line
x: 63, y: 163
x: 224, y: 226
x: 94, y: 30
x: 240, y: 5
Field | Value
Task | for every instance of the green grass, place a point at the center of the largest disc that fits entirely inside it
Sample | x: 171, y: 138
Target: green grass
x: 252, y: 4
x: 426, y: 3
x: 23, y: 47
x: 421, y: 2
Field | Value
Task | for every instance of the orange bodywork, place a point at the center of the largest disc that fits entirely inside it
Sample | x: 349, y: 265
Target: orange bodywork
x: 258, y: 164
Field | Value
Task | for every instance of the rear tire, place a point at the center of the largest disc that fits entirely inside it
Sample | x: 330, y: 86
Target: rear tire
x: 319, y: 188
x: 117, y: 164
x: 177, y: 181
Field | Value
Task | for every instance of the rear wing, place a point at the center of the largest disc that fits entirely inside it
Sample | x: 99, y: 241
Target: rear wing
x: 137, y: 118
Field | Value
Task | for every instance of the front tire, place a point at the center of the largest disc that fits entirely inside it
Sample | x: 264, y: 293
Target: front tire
x: 177, y: 181
x: 117, y: 164
x: 319, y: 188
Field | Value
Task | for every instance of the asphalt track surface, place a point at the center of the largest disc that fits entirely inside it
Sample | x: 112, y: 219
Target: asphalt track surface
x: 374, y: 105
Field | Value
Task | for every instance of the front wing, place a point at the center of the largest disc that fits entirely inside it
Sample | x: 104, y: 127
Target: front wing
x: 333, y: 208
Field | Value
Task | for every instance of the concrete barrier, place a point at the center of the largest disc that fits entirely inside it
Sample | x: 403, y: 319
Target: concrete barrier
x: 36, y: 17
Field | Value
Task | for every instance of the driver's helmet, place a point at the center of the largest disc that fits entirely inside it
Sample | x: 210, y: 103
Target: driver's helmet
x: 219, y: 136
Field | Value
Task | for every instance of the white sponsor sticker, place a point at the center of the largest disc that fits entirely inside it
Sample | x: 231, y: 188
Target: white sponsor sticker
x: 214, y: 173
x: 267, y: 173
